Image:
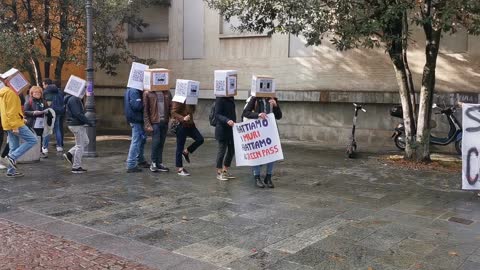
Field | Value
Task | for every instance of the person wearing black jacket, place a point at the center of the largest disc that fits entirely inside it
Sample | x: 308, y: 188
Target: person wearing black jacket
x: 76, y: 121
x: 226, y: 117
x: 259, y: 108
x: 34, y: 110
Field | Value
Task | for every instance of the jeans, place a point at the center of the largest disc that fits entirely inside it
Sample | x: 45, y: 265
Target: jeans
x: 58, y: 129
x: 81, y: 141
x: 135, y: 153
x: 16, y: 149
x: 158, y: 141
x: 256, y: 169
x: 182, y: 134
x: 228, y: 148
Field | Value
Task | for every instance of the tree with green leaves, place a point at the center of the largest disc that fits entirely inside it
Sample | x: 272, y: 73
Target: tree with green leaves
x: 368, y: 24
x: 52, y: 32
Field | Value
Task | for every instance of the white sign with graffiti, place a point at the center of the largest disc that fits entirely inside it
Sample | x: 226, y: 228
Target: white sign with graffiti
x: 471, y: 147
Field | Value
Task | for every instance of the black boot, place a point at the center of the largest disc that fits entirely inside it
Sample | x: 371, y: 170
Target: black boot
x: 258, y: 182
x: 268, y: 181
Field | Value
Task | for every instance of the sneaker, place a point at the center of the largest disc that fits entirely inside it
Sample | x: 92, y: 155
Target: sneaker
x: 134, y: 170
x: 59, y: 149
x: 10, y: 161
x: 153, y: 167
x: 78, y: 170
x: 222, y: 176
x: 162, y: 168
x: 143, y: 164
x: 186, y: 157
x: 68, y: 157
x: 44, y: 150
x: 43, y: 155
x: 2, y: 167
x: 15, y: 175
x: 228, y: 175
x: 183, y: 172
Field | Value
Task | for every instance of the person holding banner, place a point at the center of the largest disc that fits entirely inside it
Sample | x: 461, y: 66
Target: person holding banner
x: 12, y: 122
x: 259, y: 108
x: 226, y: 118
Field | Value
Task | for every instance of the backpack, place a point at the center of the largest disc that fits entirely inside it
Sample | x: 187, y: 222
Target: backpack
x: 211, y: 117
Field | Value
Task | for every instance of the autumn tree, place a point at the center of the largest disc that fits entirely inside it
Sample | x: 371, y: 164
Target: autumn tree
x: 29, y: 29
x: 368, y: 24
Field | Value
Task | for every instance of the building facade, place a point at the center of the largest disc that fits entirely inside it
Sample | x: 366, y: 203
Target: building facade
x: 315, y: 85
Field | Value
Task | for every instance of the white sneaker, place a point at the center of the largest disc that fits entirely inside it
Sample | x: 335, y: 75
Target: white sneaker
x: 44, y: 150
x: 222, y: 176
x: 183, y: 172
x: 2, y: 167
x: 59, y: 149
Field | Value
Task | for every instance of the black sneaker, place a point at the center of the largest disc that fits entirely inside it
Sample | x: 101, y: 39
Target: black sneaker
x: 78, y: 170
x: 134, y: 170
x: 144, y: 164
x: 10, y: 161
x: 15, y: 175
x: 186, y: 157
x: 162, y: 168
x: 68, y: 157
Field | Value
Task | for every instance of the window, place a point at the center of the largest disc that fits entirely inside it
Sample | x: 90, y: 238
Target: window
x: 157, y: 19
x: 227, y: 29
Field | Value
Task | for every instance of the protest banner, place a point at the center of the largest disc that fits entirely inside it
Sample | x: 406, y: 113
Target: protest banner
x: 471, y: 147
x: 257, y: 142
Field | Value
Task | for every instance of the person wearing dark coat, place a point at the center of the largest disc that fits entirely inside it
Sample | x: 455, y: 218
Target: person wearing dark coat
x: 259, y: 108
x: 226, y: 117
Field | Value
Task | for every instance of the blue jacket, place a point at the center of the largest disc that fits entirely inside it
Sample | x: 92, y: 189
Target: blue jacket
x: 54, y: 95
x: 133, y: 104
x: 75, y: 113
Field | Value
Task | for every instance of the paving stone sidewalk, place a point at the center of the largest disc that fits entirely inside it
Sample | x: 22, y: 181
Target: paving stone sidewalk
x: 326, y: 212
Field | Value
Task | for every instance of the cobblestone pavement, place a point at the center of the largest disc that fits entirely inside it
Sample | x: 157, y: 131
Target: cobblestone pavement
x: 325, y: 212
x: 26, y: 248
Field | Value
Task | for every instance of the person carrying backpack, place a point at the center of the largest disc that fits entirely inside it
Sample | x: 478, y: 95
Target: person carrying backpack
x: 225, y: 116
x: 55, y: 100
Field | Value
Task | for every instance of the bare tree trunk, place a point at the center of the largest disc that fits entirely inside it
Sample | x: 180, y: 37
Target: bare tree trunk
x: 47, y: 42
x: 428, y: 84
x: 411, y: 87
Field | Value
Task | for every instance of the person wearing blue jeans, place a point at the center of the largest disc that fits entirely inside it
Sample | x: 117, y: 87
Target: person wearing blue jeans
x: 156, y: 115
x: 259, y: 108
x: 55, y: 100
x: 133, y: 105
x: 13, y: 124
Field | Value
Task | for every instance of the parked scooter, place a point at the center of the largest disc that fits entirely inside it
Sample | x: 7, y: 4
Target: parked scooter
x: 352, y: 146
x: 454, y: 133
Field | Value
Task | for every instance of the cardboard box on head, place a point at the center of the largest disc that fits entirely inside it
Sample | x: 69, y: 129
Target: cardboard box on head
x: 263, y: 86
x: 225, y: 83
x: 16, y: 81
x: 75, y: 86
x: 187, y: 91
x: 156, y: 79
x: 135, y: 79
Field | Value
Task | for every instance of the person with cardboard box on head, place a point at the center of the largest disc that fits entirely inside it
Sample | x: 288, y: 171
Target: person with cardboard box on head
x: 183, y: 108
x: 225, y: 88
x: 133, y: 106
x: 76, y: 121
x: 12, y: 119
x: 157, y: 104
x: 262, y: 103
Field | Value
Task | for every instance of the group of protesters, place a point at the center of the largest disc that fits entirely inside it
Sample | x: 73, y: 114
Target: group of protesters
x: 38, y: 115
x: 154, y: 113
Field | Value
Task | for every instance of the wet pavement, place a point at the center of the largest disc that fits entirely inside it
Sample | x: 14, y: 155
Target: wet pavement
x: 326, y: 212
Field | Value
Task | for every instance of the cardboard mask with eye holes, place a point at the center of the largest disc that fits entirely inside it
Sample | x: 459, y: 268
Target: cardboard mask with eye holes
x: 263, y: 86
